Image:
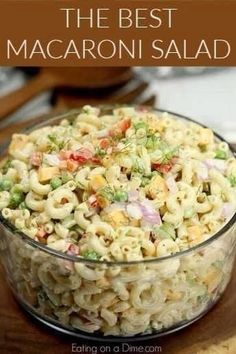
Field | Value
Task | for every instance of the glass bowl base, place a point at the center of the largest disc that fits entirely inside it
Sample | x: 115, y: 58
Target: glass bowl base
x: 76, y: 333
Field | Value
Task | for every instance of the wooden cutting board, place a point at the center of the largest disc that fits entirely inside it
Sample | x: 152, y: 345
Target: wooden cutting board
x: 213, y: 334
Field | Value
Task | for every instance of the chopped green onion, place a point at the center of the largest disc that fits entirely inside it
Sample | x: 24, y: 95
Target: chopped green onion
x: 220, y: 154
x: 232, y: 180
x: 85, y: 110
x: 120, y: 196
x: 203, y: 298
x: 73, y: 228
x: 55, y: 142
x: 106, y: 192
x: 191, y: 280
x: 145, y: 181
x: 149, y: 329
x: 138, y: 166
x: 52, y: 138
x: 16, y: 199
x: 167, y: 151
x: 53, y: 299
x: 110, y: 194
x: 17, y: 188
x: 140, y: 125
x: 6, y: 166
x: 89, y: 254
x: 80, y: 185
x: 166, y: 230
x: 218, y: 264
x: 168, y: 154
x: 23, y: 205
x: 152, y: 142
x: 5, y: 184
x: 66, y: 177
x: 42, y: 296
x: 202, y: 293
x: 100, y: 152
x: 55, y: 183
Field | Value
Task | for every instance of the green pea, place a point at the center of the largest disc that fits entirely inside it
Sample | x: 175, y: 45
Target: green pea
x: 149, y: 143
x: 66, y: 177
x: 120, y: 196
x: 100, y: 152
x: 152, y: 142
x: 17, y: 188
x: 145, y: 181
x: 140, y: 125
x: 23, y: 205
x: 16, y: 199
x: 55, y: 183
x: 5, y: 184
x: 89, y: 254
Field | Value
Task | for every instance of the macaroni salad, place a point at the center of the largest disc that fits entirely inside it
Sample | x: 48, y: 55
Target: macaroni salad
x: 126, y: 186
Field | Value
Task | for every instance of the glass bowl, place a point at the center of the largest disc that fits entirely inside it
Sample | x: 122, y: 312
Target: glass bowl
x: 140, y: 299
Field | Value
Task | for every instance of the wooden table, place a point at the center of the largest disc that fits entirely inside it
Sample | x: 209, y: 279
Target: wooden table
x: 19, y: 334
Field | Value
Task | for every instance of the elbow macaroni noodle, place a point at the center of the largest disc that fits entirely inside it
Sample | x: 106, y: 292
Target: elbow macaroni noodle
x: 129, y: 186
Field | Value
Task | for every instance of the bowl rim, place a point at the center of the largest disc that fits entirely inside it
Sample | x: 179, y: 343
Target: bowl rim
x: 35, y: 244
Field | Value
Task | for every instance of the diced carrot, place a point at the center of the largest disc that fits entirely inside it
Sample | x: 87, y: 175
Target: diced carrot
x: 82, y: 155
x: 71, y: 165
x: 104, y: 143
x: 36, y: 158
x: 124, y: 124
x: 163, y: 168
x: 65, y: 154
x: 120, y: 127
x: 95, y: 160
x: 70, y: 160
